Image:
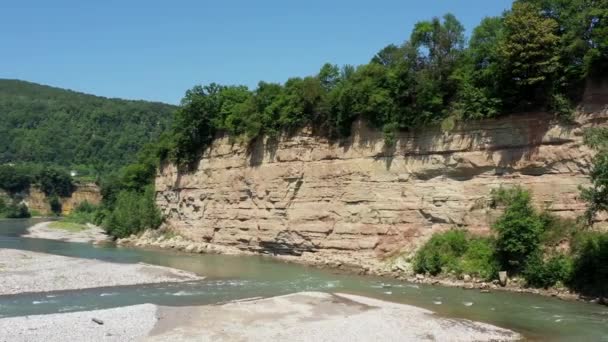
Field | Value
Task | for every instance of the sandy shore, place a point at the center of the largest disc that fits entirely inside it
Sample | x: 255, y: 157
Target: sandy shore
x: 42, y: 230
x: 23, y: 271
x: 309, y: 316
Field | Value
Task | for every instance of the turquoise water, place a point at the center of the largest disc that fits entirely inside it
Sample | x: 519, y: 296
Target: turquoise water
x: 236, y: 277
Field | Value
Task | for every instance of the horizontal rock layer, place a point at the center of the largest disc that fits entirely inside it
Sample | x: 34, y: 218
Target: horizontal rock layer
x: 306, y: 194
x: 36, y: 200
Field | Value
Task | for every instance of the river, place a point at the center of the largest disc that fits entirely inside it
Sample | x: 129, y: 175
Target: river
x: 237, y: 277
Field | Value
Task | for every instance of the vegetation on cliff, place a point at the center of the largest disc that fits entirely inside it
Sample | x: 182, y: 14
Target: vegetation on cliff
x: 15, y: 180
x: 535, y: 56
x: 128, y: 198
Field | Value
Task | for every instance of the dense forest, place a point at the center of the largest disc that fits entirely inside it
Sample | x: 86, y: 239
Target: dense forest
x: 45, y: 132
x: 536, y: 56
x: 46, y: 125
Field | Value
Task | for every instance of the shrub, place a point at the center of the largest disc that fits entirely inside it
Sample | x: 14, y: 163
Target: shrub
x: 480, y: 259
x: 455, y: 251
x: 132, y: 212
x: 83, y: 213
x: 590, y: 269
x: 541, y: 273
x: 55, y: 204
x: 441, y: 252
x: 557, y: 229
x: 85, y: 207
x: 562, y: 107
x: 519, y: 229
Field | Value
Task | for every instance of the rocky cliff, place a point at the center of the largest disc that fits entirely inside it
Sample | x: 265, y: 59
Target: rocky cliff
x: 305, y: 194
x: 37, y: 201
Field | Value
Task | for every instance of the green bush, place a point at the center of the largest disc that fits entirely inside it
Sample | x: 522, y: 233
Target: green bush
x: 519, y: 229
x: 480, y: 259
x: 541, y: 273
x: 441, y: 253
x: 590, y: 269
x: 456, y: 252
x: 557, y: 229
x: 55, y: 204
x: 83, y: 213
x: 562, y: 107
x: 132, y: 213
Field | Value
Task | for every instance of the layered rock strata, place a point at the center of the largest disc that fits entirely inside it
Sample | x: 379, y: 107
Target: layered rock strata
x: 358, y: 197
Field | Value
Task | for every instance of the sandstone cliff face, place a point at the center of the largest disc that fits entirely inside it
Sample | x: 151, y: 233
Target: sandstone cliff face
x: 36, y: 200
x: 307, y: 194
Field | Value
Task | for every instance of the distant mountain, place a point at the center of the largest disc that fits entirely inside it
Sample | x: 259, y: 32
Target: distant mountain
x: 43, y: 124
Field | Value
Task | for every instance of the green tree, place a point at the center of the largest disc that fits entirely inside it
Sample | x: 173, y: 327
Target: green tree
x: 15, y: 178
x: 529, y: 55
x: 596, y: 195
x: 519, y: 229
x: 193, y: 123
x: 132, y: 213
x: 54, y: 181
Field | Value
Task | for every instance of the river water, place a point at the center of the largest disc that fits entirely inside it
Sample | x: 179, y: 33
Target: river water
x: 237, y: 277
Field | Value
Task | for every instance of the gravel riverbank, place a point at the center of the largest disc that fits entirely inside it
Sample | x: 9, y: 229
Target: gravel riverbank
x: 307, y: 316
x: 43, y: 230
x: 24, y: 271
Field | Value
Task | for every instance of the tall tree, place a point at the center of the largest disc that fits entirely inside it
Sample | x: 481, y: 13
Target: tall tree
x: 529, y: 53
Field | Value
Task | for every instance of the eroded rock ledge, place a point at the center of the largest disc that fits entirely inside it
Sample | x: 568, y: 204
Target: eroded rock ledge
x: 357, y: 198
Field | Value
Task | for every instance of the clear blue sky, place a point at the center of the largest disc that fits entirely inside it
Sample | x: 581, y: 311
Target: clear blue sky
x: 156, y: 50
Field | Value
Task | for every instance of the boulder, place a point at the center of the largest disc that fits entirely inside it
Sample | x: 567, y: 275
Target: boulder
x: 503, y: 279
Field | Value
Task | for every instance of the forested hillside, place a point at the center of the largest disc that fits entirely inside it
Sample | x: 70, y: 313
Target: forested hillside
x: 46, y: 125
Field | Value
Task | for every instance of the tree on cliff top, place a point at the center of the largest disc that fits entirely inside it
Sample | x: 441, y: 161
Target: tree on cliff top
x: 529, y: 55
x: 532, y: 57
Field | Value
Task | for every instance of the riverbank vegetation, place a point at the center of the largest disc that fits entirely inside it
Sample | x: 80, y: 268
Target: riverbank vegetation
x: 128, y: 198
x: 543, y: 249
x: 535, y: 56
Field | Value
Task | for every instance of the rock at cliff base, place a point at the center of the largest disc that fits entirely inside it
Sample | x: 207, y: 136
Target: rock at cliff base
x: 503, y: 278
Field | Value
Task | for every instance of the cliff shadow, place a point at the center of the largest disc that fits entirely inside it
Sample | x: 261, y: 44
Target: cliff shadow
x: 521, y: 139
x: 259, y: 147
